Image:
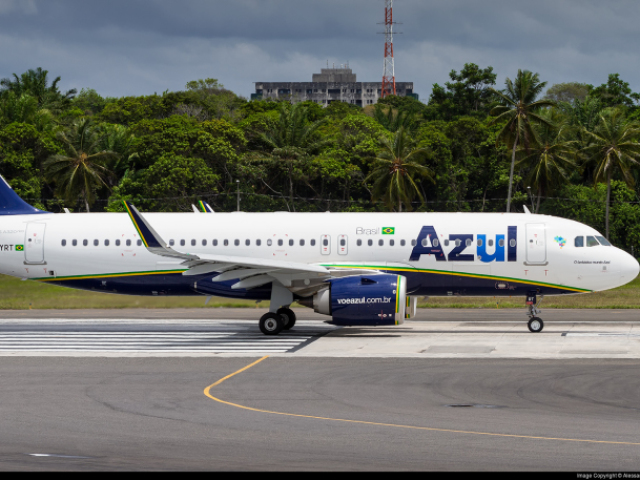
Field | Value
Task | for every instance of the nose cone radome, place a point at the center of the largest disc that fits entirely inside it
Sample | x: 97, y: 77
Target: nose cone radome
x: 629, y: 267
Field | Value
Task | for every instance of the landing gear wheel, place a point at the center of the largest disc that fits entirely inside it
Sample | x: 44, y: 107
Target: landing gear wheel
x: 271, y: 324
x: 288, y: 317
x: 535, y: 325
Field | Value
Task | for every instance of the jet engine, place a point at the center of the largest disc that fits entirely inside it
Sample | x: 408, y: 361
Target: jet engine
x: 363, y: 300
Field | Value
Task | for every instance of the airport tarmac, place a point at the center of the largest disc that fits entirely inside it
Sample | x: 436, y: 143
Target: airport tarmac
x: 89, y: 407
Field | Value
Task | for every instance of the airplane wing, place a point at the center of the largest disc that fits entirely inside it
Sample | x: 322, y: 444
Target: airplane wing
x: 251, y: 272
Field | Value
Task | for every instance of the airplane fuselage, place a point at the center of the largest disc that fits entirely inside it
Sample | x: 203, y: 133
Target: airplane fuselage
x: 439, y: 253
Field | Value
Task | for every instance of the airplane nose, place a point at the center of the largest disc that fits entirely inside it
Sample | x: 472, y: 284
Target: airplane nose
x: 629, y: 267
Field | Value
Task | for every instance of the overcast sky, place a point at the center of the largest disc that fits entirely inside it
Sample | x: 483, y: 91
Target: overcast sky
x: 137, y: 47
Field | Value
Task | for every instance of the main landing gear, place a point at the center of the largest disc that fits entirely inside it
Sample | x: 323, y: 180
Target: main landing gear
x: 274, y: 323
x: 278, y: 319
x: 535, y: 323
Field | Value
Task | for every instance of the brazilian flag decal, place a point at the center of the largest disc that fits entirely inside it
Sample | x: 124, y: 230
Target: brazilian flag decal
x: 19, y: 248
x: 388, y: 231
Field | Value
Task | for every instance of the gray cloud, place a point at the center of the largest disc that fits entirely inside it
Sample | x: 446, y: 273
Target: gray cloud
x: 138, y: 47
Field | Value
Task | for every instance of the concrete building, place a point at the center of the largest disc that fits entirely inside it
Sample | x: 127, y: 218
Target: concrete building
x: 331, y: 85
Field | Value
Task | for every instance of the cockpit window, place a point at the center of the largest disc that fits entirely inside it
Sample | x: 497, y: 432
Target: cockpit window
x: 579, y: 242
x: 592, y: 242
x: 603, y: 241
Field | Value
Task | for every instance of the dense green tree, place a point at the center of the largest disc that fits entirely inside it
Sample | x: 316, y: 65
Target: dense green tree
x: 292, y: 139
x: 615, y: 92
x: 518, y: 110
x: 614, y: 149
x: 568, y: 92
x: 36, y: 84
x: 468, y: 92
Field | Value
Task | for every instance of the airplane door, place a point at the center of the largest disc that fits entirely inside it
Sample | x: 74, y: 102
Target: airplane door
x: 34, y: 244
x: 325, y: 244
x: 343, y: 244
x: 536, y: 244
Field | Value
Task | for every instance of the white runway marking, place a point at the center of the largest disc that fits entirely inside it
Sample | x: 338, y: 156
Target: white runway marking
x: 151, y: 337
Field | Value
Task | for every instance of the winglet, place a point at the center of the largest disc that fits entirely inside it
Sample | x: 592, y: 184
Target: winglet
x: 149, y: 236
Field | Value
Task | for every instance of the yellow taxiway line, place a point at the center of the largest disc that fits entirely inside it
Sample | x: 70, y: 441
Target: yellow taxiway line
x: 207, y: 392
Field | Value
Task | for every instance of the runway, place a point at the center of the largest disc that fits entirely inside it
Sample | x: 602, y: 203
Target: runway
x: 309, y: 409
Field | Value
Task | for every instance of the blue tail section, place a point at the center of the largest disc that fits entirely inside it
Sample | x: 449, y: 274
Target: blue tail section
x: 12, y: 204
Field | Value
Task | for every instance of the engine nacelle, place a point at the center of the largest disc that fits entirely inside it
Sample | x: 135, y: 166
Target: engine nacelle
x: 364, y: 300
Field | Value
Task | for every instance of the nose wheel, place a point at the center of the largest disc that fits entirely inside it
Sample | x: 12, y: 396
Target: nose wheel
x: 535, y: 323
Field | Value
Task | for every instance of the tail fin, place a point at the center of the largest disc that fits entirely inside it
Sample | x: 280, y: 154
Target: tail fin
x: 12, y: 204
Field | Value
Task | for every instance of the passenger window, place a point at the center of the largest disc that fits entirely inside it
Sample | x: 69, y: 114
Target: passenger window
x: 302, y: 243
x: 370, y: 242
x: 313, y: 242
x: 359, y: 243
x: 74, y: 243
x: 258, y: 242
x: 592, y: 242
x: 603, y: 241
x: 204, y: 243
x: 117, y: 243
x: 128, y: 243
x: 247, y: 242
x: 403, y: 243
x: 479, y: 242
x: 215, y: 242
x: 280, y: 243
x: 414, y: 242
x: 291, y: 243
x: 96, y: 243
x: 325, y: 242
x: 182, y: 243
x: 512, y: 242
x: 106, y: 243
x: 64, y: 243
x: 85, y: 242
x: 425, y: 242
x: 501, y: 242
x: 381, y: 243
x: 436, y: 243
x: 392, y: 243
x: 193, y: 242
x: 269, y: 242
x: 226, y: 243
x: 579, y: 242
x: 458, y: 242
x: 490, y: 243
x: 139, y: 243
x: 446, y: 243
x: 172, y: 243
x: 468, y: 242
x: 236, y: 243
x: 343, y: 242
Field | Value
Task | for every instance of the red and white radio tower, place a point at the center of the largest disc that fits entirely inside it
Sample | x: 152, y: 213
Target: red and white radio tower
x: 389, y: 72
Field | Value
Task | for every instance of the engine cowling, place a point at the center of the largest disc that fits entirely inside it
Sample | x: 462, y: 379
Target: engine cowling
x: 364, y: 300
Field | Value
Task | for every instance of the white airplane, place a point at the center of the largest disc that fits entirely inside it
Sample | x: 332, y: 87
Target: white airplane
x: 359, y: 268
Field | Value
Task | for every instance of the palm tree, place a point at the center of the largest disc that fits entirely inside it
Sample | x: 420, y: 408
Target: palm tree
x: 550, y: 160
x: 393, y: 120
x: 613, y: 148
x: 81, y: 170
x: 519, y: 107
x: 396, y: 169
x: 36, y: 84
x: 293, y: 138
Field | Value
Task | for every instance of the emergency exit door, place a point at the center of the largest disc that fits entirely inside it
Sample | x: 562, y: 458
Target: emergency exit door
x: 536, y: 244
x: 34, y: 244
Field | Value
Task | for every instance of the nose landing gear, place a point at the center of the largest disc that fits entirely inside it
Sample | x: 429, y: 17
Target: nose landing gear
x: 535, y: 323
